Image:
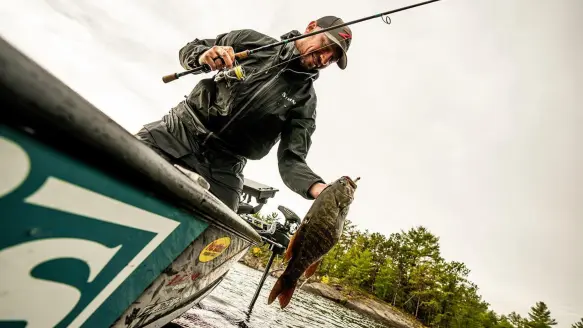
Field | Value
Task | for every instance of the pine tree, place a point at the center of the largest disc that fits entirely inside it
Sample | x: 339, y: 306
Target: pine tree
x: 379, y: 250
x: 540, y: 316
x: 330, y: 261
x: 422, y: 260
x: 578, y: 324
x: 385, y: 281
x: 516, y: 320
x: 453, y: 279
x: 504, y: 322
x: 359, y: 272
x: 345, y: 262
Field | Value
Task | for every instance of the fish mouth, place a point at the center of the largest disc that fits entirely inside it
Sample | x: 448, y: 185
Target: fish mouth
x: 352, y: 182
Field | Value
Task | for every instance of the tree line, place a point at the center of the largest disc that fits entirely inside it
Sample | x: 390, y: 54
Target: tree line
x: 407, y: 270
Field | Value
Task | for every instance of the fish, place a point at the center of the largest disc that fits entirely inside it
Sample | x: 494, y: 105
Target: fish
x: 314, y: 238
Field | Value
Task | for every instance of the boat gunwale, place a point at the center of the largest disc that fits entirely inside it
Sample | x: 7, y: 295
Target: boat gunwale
x: 36, y: 102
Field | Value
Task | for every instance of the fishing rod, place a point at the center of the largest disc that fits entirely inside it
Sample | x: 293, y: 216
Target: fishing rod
x: 237, y: 72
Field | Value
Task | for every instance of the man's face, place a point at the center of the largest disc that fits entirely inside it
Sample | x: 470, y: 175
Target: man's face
x: 318, y: 51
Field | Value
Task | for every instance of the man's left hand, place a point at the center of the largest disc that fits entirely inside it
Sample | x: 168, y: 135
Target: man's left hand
x: 316, y: 189
x: 213, y: 56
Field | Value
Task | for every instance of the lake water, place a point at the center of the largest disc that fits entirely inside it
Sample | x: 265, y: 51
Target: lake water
x: 226, y: 307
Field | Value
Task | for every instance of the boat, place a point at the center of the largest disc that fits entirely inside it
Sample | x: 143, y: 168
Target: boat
x: 97, y: 230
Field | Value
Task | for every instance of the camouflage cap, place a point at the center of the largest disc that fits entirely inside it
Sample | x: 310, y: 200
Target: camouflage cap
x: 342, y: 36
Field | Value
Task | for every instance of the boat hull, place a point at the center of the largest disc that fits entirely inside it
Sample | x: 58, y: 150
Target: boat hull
x: 96, y: 230
x: 88, y: 249
x: 188, y: 280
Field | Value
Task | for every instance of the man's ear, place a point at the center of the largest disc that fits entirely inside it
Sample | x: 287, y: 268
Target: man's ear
x: 311, y: 26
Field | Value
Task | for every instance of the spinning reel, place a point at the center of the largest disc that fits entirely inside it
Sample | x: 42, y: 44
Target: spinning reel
x: 237, y: 73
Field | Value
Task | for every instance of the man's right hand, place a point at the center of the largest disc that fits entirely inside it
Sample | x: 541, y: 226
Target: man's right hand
x: 316, y: 189
x: 212, y: 57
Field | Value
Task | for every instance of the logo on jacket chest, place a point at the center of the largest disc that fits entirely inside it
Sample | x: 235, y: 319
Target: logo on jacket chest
x: 286, y: 97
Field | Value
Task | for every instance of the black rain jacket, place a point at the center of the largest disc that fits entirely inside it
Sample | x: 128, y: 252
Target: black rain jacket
x: 276, y: 102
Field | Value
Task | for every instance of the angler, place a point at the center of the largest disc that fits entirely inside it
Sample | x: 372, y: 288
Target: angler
x: 275, y: 102
x: 243, y: 112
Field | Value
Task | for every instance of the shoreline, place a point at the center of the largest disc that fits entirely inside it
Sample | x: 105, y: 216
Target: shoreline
x: 359, y: 302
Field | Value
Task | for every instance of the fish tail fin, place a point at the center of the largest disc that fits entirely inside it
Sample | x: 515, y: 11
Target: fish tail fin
x: 283, y: 289
x: 286, y: 295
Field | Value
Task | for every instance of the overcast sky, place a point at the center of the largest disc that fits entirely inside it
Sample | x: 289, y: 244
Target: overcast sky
x: 460, y: 116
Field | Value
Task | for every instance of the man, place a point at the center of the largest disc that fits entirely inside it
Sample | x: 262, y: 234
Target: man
x: 220, y: 125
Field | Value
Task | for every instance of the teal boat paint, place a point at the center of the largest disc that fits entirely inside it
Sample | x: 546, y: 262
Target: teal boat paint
x: 57, y: 212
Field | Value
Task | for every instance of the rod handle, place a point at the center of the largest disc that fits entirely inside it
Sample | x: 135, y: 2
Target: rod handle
x: 242, y: 55
x: 169, y: 77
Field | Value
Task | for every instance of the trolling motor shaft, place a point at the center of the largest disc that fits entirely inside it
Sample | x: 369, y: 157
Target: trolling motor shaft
x: 246, y: 53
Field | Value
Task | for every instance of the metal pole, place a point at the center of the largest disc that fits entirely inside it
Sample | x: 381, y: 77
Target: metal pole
x: 265, y: 273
